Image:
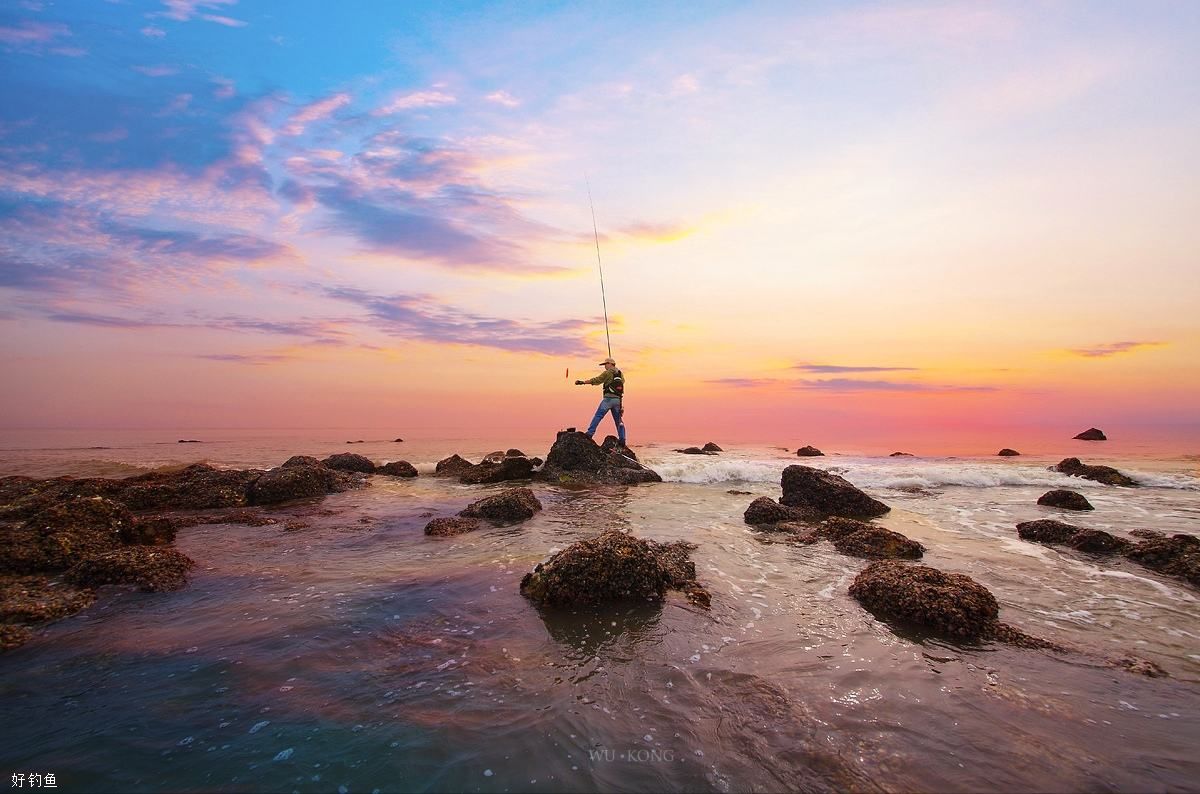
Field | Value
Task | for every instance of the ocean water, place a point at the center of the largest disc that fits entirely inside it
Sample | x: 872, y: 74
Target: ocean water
x: 357, y: 654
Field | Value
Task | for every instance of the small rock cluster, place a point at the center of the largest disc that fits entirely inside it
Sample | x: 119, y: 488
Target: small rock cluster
x: 507, y: 507
x: 1106, y: 474
x: 1176, y: 555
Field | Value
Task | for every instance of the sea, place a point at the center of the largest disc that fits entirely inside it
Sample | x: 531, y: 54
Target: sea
x: 352, y: 653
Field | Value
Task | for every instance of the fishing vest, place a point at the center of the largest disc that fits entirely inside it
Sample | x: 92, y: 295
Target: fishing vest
x: 616, y: 386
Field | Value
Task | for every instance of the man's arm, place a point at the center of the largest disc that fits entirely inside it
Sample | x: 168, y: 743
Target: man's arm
x: 603, y: 377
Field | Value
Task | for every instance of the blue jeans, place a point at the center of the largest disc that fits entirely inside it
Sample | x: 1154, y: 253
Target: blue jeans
x: 608, y: 404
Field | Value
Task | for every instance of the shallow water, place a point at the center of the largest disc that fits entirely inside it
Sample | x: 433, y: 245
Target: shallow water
x: 357, y: 652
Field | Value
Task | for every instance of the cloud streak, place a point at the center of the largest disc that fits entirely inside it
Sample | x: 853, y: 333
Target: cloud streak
x: 1113, y: 349
x: 835, y: 368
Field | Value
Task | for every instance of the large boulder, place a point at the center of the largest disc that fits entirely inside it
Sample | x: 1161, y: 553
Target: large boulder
x: 613, y: 567
x: 1067, y: 500
x: 397, y: 468
x: 810, y: 452
x: 575, y: 458
x: 765, y: 510
x: 951, y: 604
x: 453, y: 466
x: 507, y: 468
x: 1105, y: 474
x: 299, y: 482
x: 1092, y: 434
x: 150, y: 568
x: 452, y: 525
x: 196, y: 487
x: 804, y: 486
x: 349, y: 461
x: 1047, y: 530
x: 515, y: 504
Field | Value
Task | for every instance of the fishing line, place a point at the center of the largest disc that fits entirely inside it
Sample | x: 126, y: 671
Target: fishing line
x: 596, y: 236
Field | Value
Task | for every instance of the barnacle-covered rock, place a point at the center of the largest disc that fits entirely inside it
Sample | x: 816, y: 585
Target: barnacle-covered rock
x: 1097, y: 541
x: 515, y: 504
x: 877, y: 543
x: 576, y: 459
x: 765, y: 510
x: 62, y: 534
x: 398, y: 468
x: 349, y: 461
x: 951, y: 604
x: 453, y: 466
x: 1047, y: 530
x: 196, y: 487
x: 804, y: 486
x: 505, y: 469
x: 451, y: 525
x: 300, y: 460
x: 297, y: 482
x: 36, y: 599
x: 151, y: 568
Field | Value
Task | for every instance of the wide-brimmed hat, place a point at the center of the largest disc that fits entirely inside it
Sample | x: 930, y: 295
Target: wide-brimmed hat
x: 609, y: 360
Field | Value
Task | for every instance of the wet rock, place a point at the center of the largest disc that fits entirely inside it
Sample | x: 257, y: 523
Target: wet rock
x: 695, y: 451
x: 507, y: 468
x: 765, y: 510
x: 901, y: 455
x: 196, y: 487
x: 36, y: 599
x: 1135, y: 664
x: 1008, y: 453
x: 515, y: 504
x: 1047, y: 530
x: 951, y: 604
x: 613, y: 567
x: 453, y: 466
x: 348, y: 461
x: 514, y: 453
x: 493, y: 457
x: 14, y: 636
x: 1092, y: 434
x: 1105, y: 474
x: 22, y: 497
x: 736, y: 492
x: 1147, y: 533
x: 61, y: 535
x: 1067, y: 500
x: 151, y: 568
x: 1097, y: 541
x: 397, y: 468
x: 711, y: 447
x: 810, y: 452
x: 301, y: 460
x: 447, y: 526
x: 537, y: 462
x: 613, y: 444
x: 397, y: 440
x: 1177, y: 555
x: 877, y: 543
x: 188, y: 441
x: 577, y: 459
x: 299, y: 482
x: 804, y: 486
x: 837, y: 527
x: 150, y: 531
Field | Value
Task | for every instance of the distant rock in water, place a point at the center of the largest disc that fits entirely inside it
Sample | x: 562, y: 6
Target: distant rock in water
x: 1008, y: 453
x: 1092, y: 434
x: 577, y: 459
x: 514, y: 453
x: 453, y: 466
x: 446, y: 527
x: 1067, y: 500
x: 188, y: 441
x: 804, y: 486
x: 1105, y: 474
x: 360, y: 441
x: 901, y: 455
x: 711, y: 447
x: 695, y: 451
x: 613, y: 567
x: 810, y: 452
x: 398, y: 441
x: 515, y: 504
x: 397, y: 468
x: 348, y: 461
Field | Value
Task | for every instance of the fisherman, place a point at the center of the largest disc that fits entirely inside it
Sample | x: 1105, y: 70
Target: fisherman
x: 614, y: 388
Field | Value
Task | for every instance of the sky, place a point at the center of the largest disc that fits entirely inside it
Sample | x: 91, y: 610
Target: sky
x: 814, y: 219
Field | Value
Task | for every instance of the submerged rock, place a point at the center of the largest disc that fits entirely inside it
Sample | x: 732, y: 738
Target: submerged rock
x: 1105, y: 474
x: 810, y: 452
x: 150, y: 568
x: 1067, y: 500
x: 711, y: 447
x: 1097, y: 541
x: 349, y: 461
x: 951, y: 604
x: 507, y: 468
x: 453, y: 466
x: 397, y: 468
x: 515, y: 504
x: 1092, y: 434
x: 613, y: 567
x: 447, y: 526
x: 1047, y: 530
x: 1008, y: 453
x: 804, y: 486
x: 575, y: 458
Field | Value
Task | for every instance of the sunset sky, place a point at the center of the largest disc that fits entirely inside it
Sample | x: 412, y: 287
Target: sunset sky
x: 224, y: 213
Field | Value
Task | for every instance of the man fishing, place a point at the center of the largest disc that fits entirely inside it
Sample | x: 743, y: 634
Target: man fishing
x: 613, y: 383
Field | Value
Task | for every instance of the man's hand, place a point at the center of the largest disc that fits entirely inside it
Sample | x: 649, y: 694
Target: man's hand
x: 578, y: 383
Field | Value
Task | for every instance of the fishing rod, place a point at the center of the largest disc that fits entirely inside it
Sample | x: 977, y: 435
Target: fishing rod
x: 596, y: 236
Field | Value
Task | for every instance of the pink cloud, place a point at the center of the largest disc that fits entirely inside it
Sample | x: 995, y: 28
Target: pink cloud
x: 32, y: 33
x: 417, y: 99
x: 315, y: 111
x: 184, y: 10
x: 1113, y: 349
x: 503, y: 98
x: 156, y: 71
x: 228, y: 22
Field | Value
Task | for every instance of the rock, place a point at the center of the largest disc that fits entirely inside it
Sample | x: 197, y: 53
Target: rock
x: 188, y: 441
x: 515, y: 504
x: 1135, y: 664
x: 36, y: 599
x: 901, y: 455
x: 360, y: 441
x: 453, y: 466
x: 446, y: 526
x: 711, y: 447
x: 13, y: 636
x: 1177, y: 555
x: 765, y: 510
x: 1046, y: 530
x: 1105, y: 474
x: 61, y: 535
x: 1067, y: 500
x: 1097, y: 541
x: 537, y: 462
x: 1092, y: 434
x: 736, y: 492
x: 502, y: 471
x: 837, y: 527
x: 397, y: 468
x: 1008, y: 453
x: 196, y: 487
x: 151, y: 568
x: 22, y: 497
x: 613, y: 444
x: 299, y: 482
x: 300, y: 460
x: 397, y: 441
x: 613, y: 567
x: 694, y: 451
x: 877, y: 543
x: 150, y: 531
x: 514, y: 453
x: 577, y: 459
x: 348, y: 461
x: 804, y: 486
x: 951, y: 604
x: 1147, y: 533
x: 810, y: 452
x: 493, y: 457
